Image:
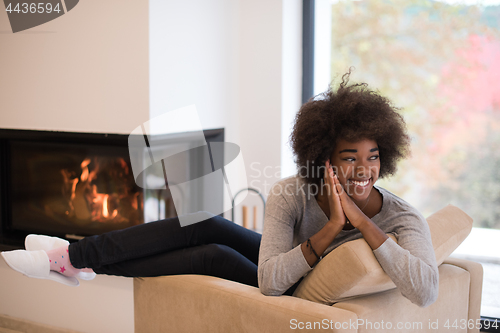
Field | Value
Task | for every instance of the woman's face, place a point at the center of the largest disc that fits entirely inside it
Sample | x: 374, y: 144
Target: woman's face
x: 357, y: 165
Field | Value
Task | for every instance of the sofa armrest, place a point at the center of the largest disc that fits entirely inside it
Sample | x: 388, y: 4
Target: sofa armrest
x: 453, y: 303
x: 476, y: 284
x: 195, y: 303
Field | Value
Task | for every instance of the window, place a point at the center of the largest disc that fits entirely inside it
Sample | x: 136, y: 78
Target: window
x: 440, y: 62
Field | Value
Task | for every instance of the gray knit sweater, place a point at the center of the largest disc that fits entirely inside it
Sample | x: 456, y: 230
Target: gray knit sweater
x: 293, y: 215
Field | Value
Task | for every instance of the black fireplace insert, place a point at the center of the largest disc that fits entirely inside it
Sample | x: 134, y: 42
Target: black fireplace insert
x: 73, y: 185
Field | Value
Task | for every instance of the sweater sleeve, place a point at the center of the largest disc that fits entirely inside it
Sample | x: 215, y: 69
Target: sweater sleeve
x: 281, y: 264
x: 411, y: 263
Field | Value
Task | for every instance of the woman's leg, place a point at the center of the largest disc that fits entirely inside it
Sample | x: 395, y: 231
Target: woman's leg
x: 161, y: 237
x: 211, y: 259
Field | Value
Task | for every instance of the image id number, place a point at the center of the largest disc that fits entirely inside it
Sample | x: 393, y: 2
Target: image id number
x: 33, y: 8
x: 470, y: 324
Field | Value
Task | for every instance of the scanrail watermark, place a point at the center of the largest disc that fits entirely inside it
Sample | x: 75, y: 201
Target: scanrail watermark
x: 262, y: 177
x: 170, y: 152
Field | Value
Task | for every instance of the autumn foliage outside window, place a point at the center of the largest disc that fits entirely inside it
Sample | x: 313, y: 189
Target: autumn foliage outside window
x: 439, y: 62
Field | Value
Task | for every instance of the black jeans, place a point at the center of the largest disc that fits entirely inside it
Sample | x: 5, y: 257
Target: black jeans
x: 215, y: 247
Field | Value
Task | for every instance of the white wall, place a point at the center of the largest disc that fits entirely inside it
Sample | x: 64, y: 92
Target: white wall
x: 260, y: 95
x: 86, y: 71
x: 291, y: 78
x: 194, y: 58
x: 227, y: 57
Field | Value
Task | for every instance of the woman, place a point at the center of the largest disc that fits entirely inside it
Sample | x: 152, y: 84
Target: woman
x: 354, y: 136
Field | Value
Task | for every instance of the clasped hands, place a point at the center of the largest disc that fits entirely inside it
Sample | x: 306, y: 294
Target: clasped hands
x: 342, y: 208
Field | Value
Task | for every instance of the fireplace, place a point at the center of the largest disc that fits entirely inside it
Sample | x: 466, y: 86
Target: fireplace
x: 73, y: 185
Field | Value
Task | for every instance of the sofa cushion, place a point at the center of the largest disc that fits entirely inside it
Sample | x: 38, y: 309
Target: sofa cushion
x: 449, y: 227
x: 352, y: 270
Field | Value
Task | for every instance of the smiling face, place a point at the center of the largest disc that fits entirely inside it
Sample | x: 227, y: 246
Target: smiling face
x: 357, y: 165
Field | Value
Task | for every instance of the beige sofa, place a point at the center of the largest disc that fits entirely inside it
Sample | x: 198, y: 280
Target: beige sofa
x: 195, y: 303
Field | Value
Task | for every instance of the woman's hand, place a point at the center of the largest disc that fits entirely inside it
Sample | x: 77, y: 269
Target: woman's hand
x: 337, y: 216
x: 314, y: 247
x: 373, y: 235
x: 351, y: 210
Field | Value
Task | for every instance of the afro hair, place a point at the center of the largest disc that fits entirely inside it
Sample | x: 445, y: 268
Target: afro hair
x: 352, y: 113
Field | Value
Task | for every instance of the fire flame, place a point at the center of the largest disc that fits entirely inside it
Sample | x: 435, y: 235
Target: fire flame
x: 105, y: 212
x: 85, y: 170
x: 86, y: 203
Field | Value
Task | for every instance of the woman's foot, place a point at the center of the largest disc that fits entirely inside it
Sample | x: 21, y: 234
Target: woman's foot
x: 60, y: 263
x: 48, y: 243
x: 36, y: 264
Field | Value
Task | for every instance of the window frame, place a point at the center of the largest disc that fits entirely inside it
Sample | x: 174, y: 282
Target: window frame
x: 308, y: 16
